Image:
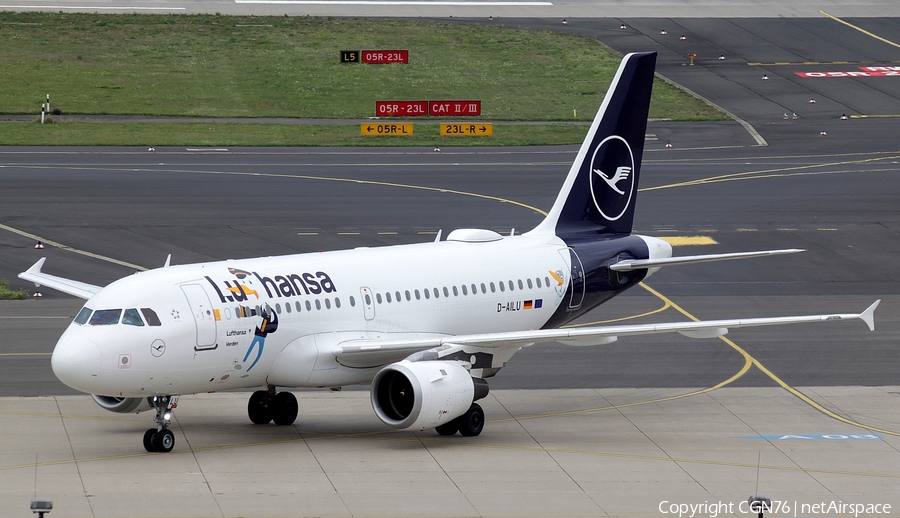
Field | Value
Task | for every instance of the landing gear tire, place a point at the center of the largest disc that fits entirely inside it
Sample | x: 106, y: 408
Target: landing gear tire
x: 148, y: 439
x: 258, y: 408
x: 283, y: 408
x: 472, y: 422
x: 163, y: 441
x: 448, y: 428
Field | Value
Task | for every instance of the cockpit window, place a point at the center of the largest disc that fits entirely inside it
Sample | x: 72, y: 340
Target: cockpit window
x: 132, y: 318
x: 150, y: 317
x: 105, y: 317
x: 83, y: 316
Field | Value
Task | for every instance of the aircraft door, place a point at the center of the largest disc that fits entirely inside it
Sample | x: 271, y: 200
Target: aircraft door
x: 204, y: 315
x: 576, y: 283
x: 368, y: 303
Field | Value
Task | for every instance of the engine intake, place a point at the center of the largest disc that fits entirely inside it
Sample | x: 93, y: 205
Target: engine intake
x: 422, y: 395
x: 123, y: 405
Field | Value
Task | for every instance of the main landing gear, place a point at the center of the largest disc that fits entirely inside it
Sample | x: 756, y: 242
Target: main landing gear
x: 161, y: 439
x: 469, y: 424
x: 267, y: 405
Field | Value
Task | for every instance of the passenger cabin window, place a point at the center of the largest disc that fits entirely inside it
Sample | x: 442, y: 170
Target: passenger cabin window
x: 132, y: 318
x: 83, y: 316
x: 106, y: 317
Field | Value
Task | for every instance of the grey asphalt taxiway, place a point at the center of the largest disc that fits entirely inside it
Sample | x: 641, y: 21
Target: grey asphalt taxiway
x: 806, y: 415
x: 815, y: 406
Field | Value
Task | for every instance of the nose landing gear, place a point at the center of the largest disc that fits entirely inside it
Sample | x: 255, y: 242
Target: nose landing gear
x: 161, y: 439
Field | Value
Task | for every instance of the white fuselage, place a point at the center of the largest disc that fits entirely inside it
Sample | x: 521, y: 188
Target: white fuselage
x: 320, y: 300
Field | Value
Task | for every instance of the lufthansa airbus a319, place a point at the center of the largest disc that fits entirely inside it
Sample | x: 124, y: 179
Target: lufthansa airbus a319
x: 427, y: 340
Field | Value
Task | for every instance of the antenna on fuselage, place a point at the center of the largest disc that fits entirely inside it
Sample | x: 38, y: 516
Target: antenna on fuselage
x: 168, y: 261
x: 437, y: 238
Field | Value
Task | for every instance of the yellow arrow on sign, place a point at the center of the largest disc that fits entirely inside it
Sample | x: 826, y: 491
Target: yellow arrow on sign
x: 385, y: 129
x: 467, y: 130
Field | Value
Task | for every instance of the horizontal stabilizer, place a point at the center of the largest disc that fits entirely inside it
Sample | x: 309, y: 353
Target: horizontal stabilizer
x: 75, y: 288
x: 638, y: 264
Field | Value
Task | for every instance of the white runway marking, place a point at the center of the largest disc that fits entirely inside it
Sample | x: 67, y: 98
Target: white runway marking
x: 92, y: 7
x: 393, y: 2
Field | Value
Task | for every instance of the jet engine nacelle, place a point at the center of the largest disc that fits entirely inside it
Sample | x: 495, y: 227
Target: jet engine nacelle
x: 123, y: 405
x: 425, y: 394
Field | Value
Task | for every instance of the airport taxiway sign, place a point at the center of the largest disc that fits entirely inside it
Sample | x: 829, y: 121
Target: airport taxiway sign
x: 467, y: 130
x: 397, y: 130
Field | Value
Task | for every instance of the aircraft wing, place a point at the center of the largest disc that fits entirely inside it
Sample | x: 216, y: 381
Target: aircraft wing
x: 78, y: 289
x: 384, y: 350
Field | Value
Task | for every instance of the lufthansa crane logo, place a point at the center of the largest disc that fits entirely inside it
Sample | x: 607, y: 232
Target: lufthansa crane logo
x: 622, y: 173
x: 612, y: 178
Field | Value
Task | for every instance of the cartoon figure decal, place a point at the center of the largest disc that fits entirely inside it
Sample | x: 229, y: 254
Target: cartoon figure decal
x: 269, y: 325
x: 558, y: 277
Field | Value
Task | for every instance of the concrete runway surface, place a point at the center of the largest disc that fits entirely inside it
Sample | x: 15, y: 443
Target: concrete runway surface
x: 566, y: 453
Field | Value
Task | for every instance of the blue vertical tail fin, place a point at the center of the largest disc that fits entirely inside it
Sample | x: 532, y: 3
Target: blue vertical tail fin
x: 599, y: 194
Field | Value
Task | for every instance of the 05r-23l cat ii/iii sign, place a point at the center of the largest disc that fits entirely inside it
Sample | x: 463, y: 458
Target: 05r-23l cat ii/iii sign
x: 427, y: 336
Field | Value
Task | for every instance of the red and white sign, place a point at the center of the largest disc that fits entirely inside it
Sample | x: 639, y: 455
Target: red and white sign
x: 401, y: 108
x: 385, y: 57
x: 454, y: 108
x: 863, y: 72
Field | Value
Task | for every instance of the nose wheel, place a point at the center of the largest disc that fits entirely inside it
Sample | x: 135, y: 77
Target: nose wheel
x: 161, y: 439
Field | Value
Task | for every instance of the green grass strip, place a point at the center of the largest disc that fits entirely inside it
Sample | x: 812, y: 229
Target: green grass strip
x: 230, y: 134
x: 7, y: 293
x: 226, y: 66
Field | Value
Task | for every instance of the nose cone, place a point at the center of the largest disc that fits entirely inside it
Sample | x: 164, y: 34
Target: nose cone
x: 76, y: 361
